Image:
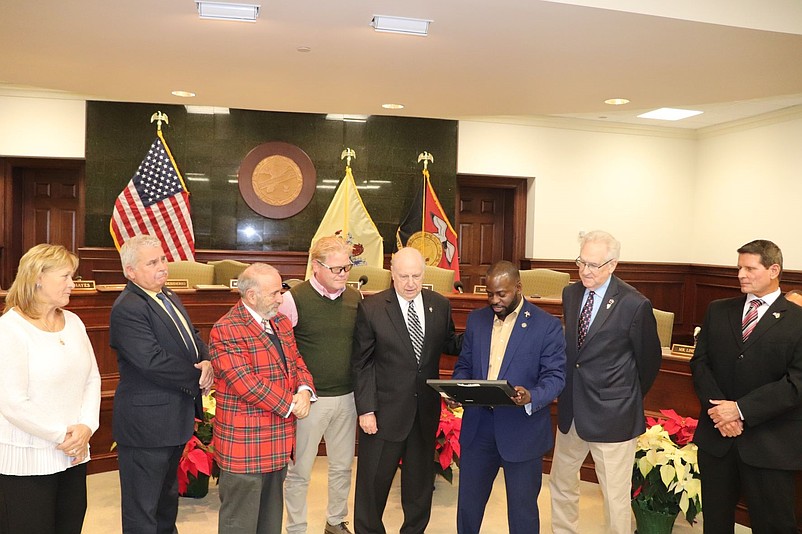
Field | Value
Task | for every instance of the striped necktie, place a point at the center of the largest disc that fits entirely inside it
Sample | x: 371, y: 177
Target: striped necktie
x: 750, y: 319
x: 185, y: 335
x: 415, y: 330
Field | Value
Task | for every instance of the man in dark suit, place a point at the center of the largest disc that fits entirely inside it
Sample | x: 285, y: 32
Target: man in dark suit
x: 613, y: 356
x: 399, y: 336
x: 164, y: 367
x: 511, y: 340
x: 747, y: 371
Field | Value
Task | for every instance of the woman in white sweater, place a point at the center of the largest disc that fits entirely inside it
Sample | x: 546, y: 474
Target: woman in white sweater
x: 49, y: 399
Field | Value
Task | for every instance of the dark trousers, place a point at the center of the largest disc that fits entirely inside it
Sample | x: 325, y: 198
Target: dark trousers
x: 375, y: 470
x: 479, y: 465
x: 769, y: 495
x: 251, y: 503
x: 149, y: 488
x: 43, y: 504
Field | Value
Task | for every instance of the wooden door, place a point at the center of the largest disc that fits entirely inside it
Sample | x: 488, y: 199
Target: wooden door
x: 491, y: 215
x: 51, y: 207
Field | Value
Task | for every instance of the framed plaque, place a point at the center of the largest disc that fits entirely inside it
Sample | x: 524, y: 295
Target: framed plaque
x: 476, y: 392
x: 277, y: 179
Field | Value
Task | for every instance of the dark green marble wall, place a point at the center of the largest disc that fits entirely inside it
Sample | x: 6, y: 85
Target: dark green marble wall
x: 118, y: 136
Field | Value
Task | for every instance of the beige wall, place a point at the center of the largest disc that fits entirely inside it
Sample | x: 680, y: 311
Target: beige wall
x: 755, y: 167
x: 628, y: 182
x: 668, y: 196
x: 23, y: 119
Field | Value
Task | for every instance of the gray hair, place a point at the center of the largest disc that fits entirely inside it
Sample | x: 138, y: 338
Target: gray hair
x: 129, y: 252
x: 600, y: 236
x: 249, y: 278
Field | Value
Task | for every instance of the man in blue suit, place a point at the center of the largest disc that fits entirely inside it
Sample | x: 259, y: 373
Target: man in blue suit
x: 516, y: 341
x: 164, y: 367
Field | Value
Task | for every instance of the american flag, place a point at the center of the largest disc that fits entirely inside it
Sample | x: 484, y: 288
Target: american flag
x: 156, y: 202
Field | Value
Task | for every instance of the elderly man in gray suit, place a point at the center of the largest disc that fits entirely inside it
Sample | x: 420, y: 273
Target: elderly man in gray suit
x: 613, y: 356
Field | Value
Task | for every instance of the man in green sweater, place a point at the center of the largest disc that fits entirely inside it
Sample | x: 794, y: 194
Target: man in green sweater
x: 323, y: 311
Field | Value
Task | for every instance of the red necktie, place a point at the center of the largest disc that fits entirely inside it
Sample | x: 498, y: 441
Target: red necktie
x: 750, y: 319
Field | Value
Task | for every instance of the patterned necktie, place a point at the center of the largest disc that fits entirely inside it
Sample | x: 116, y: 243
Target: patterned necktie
x: 415, y: 330
x: 584, y: 320
x: 274, y: 339
x: 177, y: 320
x: 750, y: 319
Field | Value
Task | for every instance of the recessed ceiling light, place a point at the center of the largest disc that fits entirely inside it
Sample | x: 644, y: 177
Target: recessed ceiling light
x: 304, y: 49
x: 407, y: 26
x: 346, y: 118
x: 183, y: 94
x: 393, y: 106
x: 669, y: 114
x: 616, y: 101
x: 226, y: 11
x: 207, y: 110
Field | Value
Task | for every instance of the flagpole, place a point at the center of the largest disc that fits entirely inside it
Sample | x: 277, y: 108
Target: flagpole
x: 425, y: 157
x: 347, y: 154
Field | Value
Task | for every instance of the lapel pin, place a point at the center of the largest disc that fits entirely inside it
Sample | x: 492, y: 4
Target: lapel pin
x: 610, y: 303
x: 430, y: 309
x: 523, y: 325
x: 527, y: 314
x: 776, y: 315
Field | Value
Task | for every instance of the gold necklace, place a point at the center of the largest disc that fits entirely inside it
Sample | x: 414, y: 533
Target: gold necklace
x: 51, y: 329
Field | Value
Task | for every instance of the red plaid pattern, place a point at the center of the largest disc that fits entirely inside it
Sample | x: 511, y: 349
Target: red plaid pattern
x: 254, y: 392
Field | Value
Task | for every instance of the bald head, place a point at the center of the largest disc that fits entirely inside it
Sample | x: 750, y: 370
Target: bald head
x: 407, y: 268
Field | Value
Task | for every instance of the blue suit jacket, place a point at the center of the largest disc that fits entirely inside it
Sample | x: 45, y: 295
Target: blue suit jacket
x: 156, y: 398
x: 535, y: 359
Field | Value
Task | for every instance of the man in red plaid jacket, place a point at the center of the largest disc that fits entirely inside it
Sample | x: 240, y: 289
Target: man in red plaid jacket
x: 262, y: 386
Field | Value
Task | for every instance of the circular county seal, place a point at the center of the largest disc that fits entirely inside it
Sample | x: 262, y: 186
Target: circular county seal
x: 429, y: 245
x: 277, y: 179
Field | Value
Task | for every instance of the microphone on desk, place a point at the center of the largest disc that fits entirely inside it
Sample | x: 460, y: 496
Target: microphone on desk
x: 285, y: 285
x: 459, y: 287
x: 362, y: 281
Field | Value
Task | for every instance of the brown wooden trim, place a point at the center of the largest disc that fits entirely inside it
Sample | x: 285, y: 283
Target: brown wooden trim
x: 519, y: 186
x: 11, y: 199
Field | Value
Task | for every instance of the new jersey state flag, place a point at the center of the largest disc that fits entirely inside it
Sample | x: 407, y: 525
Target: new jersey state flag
x: 427, y: 229
x: 348, y: 218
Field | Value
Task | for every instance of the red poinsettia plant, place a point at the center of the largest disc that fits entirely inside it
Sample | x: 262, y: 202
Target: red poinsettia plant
x: 198, y: 455
x: 446, y: 453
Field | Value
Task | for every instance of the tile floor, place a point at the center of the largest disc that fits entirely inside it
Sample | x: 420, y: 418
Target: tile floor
x: 199, y: 516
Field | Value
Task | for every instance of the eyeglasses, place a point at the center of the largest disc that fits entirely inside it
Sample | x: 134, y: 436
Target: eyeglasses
x: 338, y: 269
x: 592, y: 267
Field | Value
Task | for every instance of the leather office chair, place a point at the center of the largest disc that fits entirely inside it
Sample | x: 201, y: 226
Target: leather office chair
x: 225, y: 270
x: 442, y: 280
x: 544, y: 282
x: 292, y: 282
x: 195, y: 273
x: 665, y: 326
x: 378, y: 278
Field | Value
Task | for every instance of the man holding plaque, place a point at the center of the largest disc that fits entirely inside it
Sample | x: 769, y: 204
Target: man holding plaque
x: 613, y: 358
x: 511, y: 340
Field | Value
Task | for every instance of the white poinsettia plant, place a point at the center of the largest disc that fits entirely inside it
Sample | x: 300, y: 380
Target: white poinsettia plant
x: 665, y: 477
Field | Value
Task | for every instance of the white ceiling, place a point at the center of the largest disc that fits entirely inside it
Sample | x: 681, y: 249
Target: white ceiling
x: 517, y: 59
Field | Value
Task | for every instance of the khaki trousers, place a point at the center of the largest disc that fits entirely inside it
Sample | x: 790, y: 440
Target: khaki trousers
x: 613, y: 462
